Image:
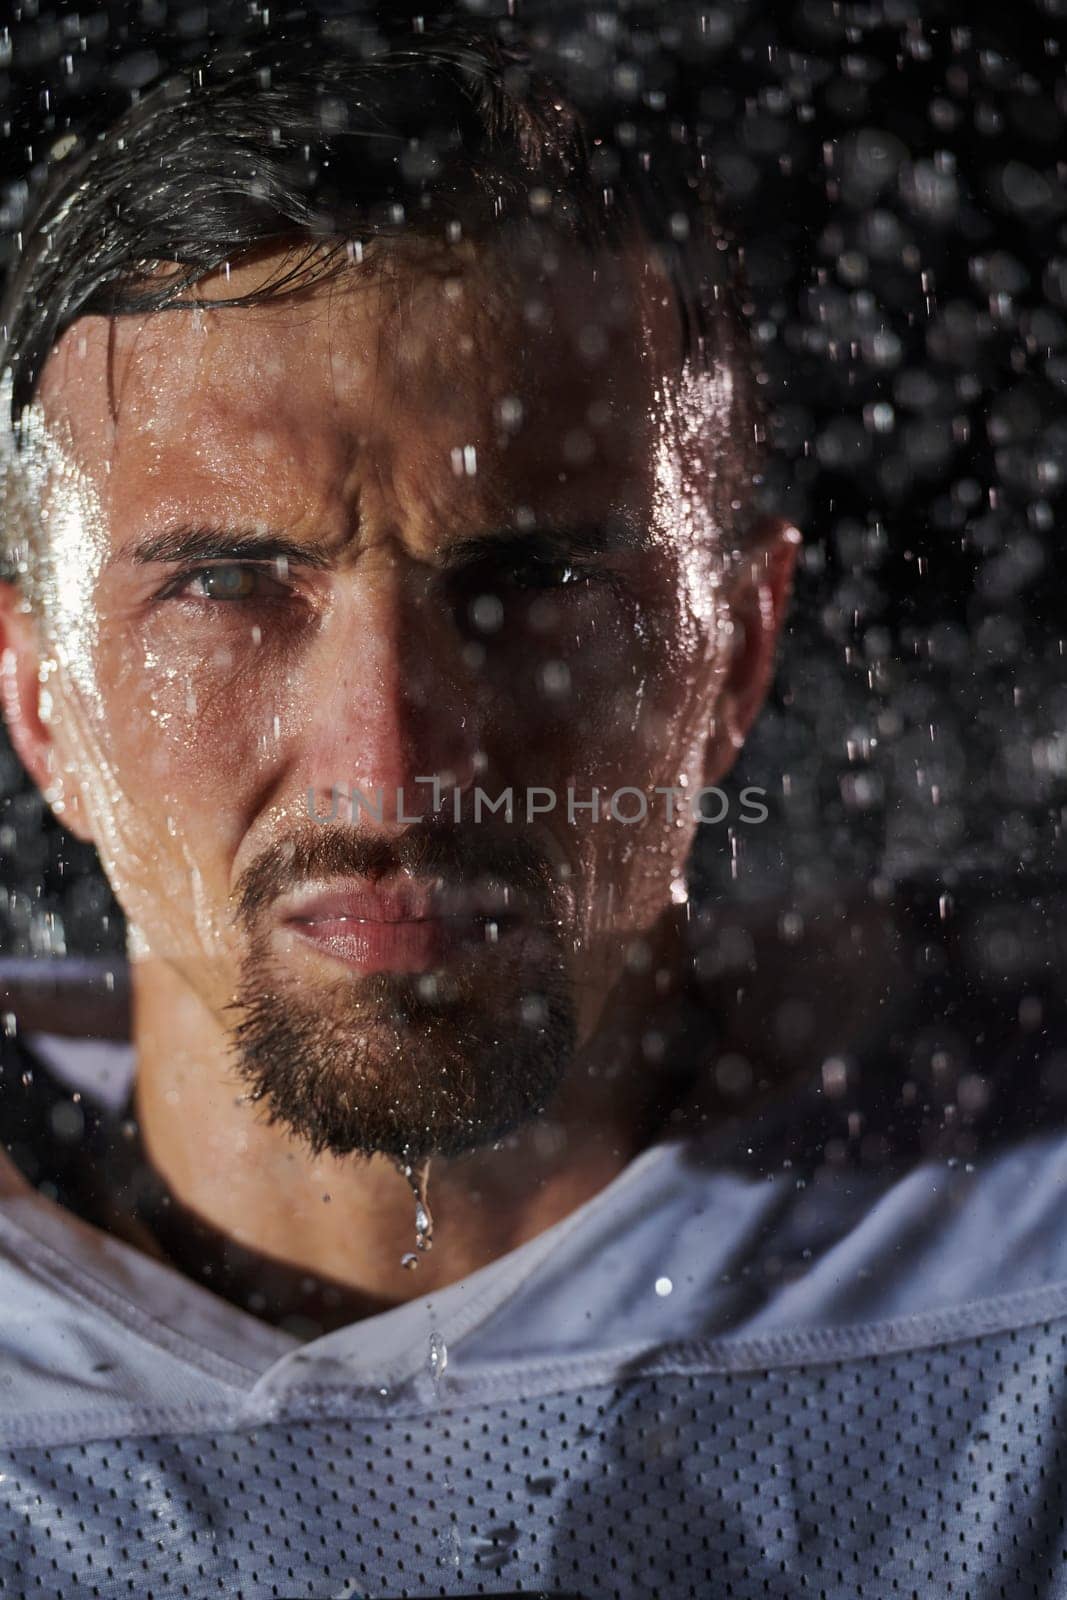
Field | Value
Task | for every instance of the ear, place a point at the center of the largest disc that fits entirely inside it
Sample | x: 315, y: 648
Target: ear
x: 759, y: 597
x: 30, y: 723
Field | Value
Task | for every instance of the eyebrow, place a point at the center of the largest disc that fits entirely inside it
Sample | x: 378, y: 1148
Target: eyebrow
x: 547, y: 542
x: 217, y: 544
x: 544, y: 542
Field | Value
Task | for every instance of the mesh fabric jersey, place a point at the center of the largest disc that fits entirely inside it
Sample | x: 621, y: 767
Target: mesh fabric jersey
x: 739, y: 1370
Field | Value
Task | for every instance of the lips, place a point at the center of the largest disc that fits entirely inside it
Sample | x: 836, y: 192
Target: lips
x: 400, y: 900
x: 404, y: 925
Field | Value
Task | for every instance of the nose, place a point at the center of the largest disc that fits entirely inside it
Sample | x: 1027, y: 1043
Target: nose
x: 391, y: 710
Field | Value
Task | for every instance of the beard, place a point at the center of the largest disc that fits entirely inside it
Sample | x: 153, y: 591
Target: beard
x: 409, y: 1065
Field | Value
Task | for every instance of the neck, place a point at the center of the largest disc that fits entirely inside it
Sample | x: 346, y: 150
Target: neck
x: 323, y: 1239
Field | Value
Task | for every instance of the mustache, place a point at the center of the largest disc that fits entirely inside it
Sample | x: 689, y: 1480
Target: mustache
x: 455, y: 856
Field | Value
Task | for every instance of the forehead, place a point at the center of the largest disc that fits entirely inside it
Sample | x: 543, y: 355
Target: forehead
x: 459, y: 375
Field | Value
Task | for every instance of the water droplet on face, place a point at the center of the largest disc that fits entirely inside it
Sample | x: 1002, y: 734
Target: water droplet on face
x: 487, y: 613
x: 554, y: 680
x: 534, y: 1011
x: 509, y: 412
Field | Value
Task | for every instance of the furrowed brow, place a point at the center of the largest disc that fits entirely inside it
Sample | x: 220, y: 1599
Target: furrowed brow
x: 221, y: 544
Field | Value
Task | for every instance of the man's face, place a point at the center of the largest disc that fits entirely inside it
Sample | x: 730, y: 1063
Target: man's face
x: 441, y: 518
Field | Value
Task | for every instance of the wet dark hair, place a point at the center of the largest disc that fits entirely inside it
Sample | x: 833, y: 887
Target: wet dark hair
x: 327, y: 136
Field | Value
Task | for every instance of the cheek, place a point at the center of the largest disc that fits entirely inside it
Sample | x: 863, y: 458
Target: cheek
x: 581, y: 676
x: 160, y: 830
x: 571, y: 700
x: 633, y: 700
x: 186, y: 725
x: 163, y: 755
x: 631, y: 858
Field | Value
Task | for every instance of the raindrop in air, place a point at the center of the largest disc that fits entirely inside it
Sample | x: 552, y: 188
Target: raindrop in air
x: 418, y: 1179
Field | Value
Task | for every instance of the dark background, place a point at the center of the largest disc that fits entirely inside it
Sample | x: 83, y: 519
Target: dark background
x: 899, y: 178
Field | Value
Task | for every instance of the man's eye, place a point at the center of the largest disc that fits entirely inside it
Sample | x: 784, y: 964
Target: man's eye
x: 548, y: 575
x: 229, y: 580
x: 488, y: 588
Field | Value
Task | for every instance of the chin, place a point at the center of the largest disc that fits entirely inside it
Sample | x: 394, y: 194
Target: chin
x: 410, y: 1065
